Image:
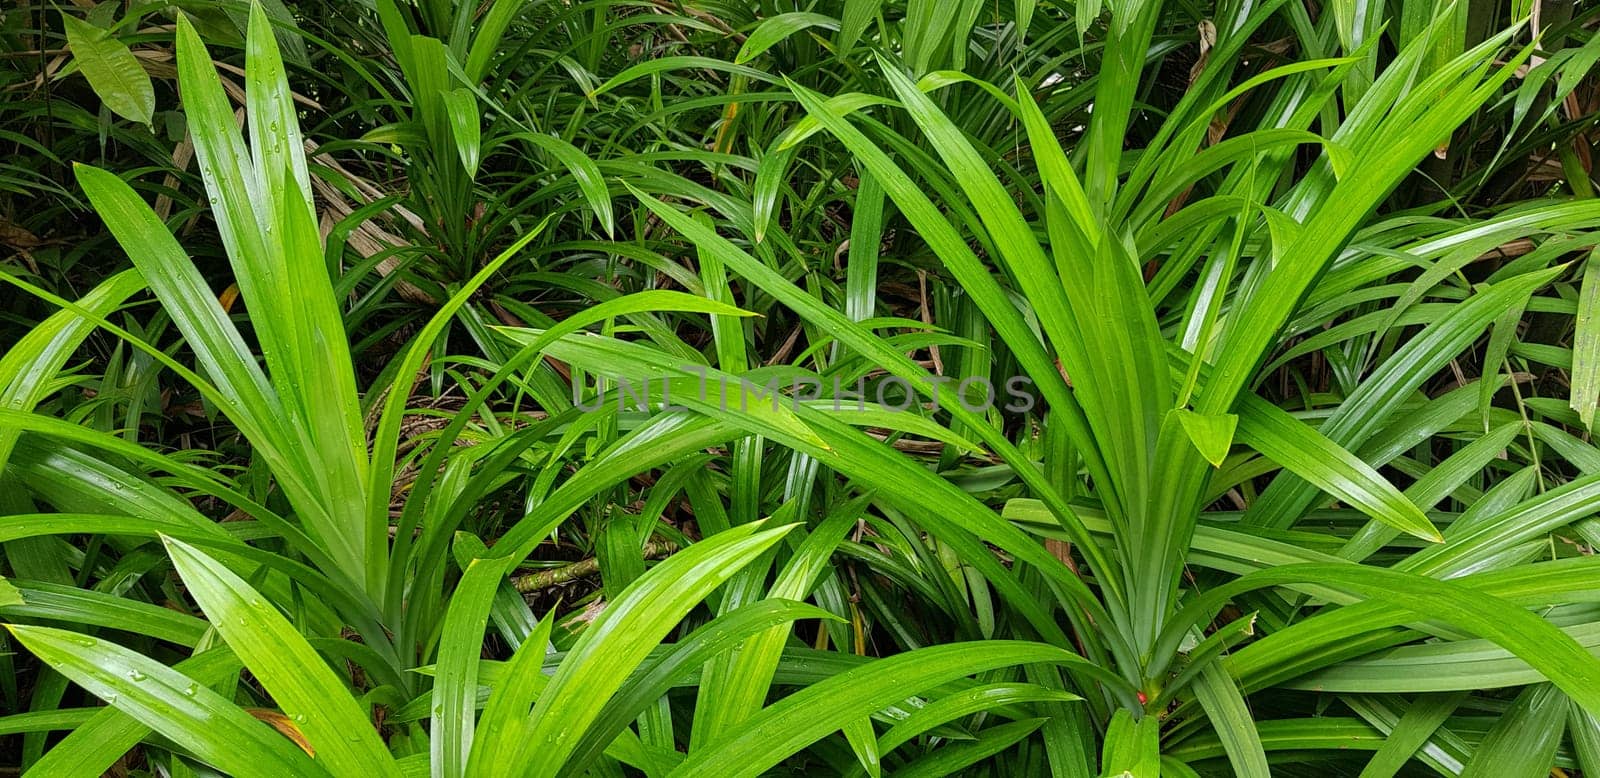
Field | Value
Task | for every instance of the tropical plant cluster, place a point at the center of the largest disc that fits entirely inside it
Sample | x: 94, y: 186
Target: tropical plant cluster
x: 608, y: 388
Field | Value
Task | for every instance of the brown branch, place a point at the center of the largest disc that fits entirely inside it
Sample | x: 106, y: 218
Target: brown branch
x: 544, y: 579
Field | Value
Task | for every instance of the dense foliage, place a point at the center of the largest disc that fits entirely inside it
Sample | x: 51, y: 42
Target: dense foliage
x: 689, y: 388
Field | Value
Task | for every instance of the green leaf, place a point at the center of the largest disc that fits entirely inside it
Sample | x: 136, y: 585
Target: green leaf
x: 486, y: 40
x: 177, y: 706
x: 71, y: 605
x: 863, y: 742
x: 774, y: 29
x: 825, y: 707
x: 739, y: 686
x: 1230, y: 716
x: 1310, y: 455
x: 505, y: 718
x: 455, y: 688
x: 964, y: 703
x: 1212, y: 435
x: 98, y: 743
x: 286, y: 665
x: 1585, y: 391
x: 583, y: 169
x: 462, y: 107
x: 857, y: 15
x: 662, y: 65
x: 1131, y: 747
x: 1584, y: 730
x: 29, y: 367
x: 9, y: 596
x: 113, y: 72
x: 1411, y: 732
x: 621, y: 637
x: 658, y: 675
x: 1410, y: 130
x: 1523, y: 742
x: 306, y: 422
x: 1553, y: 653
x: 276, y: 145
x: 955, y: 758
